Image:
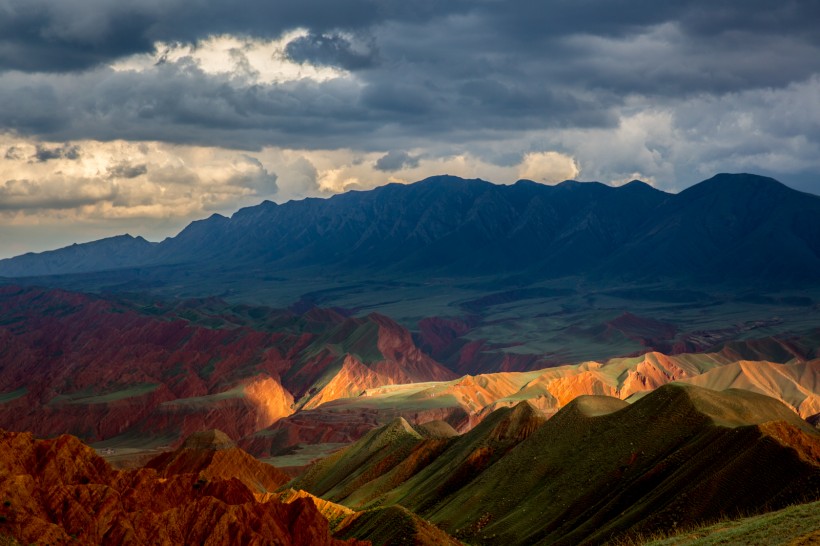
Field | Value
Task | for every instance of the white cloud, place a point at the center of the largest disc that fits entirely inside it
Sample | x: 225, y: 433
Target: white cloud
x: 548, y: 167
x: 246, y: 60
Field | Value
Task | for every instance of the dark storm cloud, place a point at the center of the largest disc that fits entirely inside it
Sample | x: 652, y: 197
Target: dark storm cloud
x: 178, y: 103
x: 395, y: 160
x: 331, y: 50
x: 44, y: 35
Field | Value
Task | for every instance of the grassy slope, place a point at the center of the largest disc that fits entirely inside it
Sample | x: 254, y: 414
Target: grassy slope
x: 797, y: 525
x: 659, y: 463
x: 393, y: 526
x: 339, y: 475
x: 465, y: 458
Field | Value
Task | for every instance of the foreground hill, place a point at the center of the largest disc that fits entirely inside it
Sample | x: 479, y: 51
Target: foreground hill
x: 728, y: 228
x: 598, y: 469
x: 59, y: 491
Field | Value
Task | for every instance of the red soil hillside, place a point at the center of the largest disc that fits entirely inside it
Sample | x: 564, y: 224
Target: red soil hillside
x: 60, y: 491
x: 212, y: 455
x: 98, y: 368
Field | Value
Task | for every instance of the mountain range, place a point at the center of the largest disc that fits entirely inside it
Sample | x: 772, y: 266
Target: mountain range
x: 732, y: 226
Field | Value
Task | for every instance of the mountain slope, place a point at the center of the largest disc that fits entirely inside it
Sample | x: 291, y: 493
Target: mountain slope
x: 395, y: 464
x: 738, y: 226
x: 797, y: 525
x: 111, y: 253
x: 212, y: 455
x: 466, y: 401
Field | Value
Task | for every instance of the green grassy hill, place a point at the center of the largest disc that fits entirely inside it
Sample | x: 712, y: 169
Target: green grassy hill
x: 599, y: 470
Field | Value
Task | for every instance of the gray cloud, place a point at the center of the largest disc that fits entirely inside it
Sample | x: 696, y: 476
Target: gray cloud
x: 331, y: 50
x: 37, y: 195
x: 42, y: 35
x: 127, y: 170
x: 66, y: 151
x: 253, y: 175
x: 395, y: 160
x: 14, y: 153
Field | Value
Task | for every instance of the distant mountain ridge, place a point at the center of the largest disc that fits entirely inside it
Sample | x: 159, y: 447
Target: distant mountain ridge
x: 109, y: 253
x: 732, y: 226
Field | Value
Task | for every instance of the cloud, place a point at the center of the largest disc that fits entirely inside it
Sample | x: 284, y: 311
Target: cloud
x: 75, y: 35
x: 66, y: 151
x: 332, y: 49
x: 484, y: 72
x: 251, y: 174
x: 127, y: 180
x: 127, y: 170
x: 395, y: 160
x: 57, y: 193
x: 14, y: 152
x: 548, y: 167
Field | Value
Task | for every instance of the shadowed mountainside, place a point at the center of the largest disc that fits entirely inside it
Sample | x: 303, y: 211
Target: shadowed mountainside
x: 728, y: 228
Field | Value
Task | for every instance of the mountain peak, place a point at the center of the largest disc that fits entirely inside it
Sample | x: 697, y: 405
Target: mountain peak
x: 737, y: 182
x: 590, y: 405
x: 516, y: 423
x: 639, y: 186
x: 575, y: 185
x: 447, y: 179
x: 735, y: 407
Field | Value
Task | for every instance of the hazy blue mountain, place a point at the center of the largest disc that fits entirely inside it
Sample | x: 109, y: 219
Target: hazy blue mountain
x: 110, y: 253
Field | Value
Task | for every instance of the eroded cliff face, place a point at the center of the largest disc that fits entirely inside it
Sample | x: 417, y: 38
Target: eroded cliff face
x: 59, y: 490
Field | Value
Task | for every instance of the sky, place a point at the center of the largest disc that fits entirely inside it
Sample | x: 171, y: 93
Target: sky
x: 139, y: 116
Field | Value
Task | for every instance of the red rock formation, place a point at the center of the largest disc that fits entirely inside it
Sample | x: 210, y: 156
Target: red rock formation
x: 56, y: 491
x: 212, y: 455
